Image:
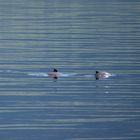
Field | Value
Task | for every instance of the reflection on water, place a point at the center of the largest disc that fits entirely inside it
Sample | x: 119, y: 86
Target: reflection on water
x: 78, y: 38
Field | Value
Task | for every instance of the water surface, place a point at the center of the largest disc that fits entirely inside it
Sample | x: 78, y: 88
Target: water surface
x: 77, y: 38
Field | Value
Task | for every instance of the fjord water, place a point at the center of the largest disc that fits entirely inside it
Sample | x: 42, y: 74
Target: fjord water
x: 76, y: 37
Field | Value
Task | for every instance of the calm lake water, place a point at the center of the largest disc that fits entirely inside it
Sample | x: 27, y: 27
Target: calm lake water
x: 77, y: 37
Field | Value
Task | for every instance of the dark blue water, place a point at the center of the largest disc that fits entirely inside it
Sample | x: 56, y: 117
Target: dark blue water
x: 77, y: 38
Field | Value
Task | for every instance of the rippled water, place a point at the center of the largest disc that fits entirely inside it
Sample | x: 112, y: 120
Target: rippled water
x: 77, y: 38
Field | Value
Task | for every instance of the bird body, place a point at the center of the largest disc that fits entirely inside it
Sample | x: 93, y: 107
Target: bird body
x: 101, y: 75
x: 55, y: 74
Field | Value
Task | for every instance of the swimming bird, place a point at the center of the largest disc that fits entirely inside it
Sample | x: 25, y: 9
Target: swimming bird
x: 101, y: 75
x: 55, y: 74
